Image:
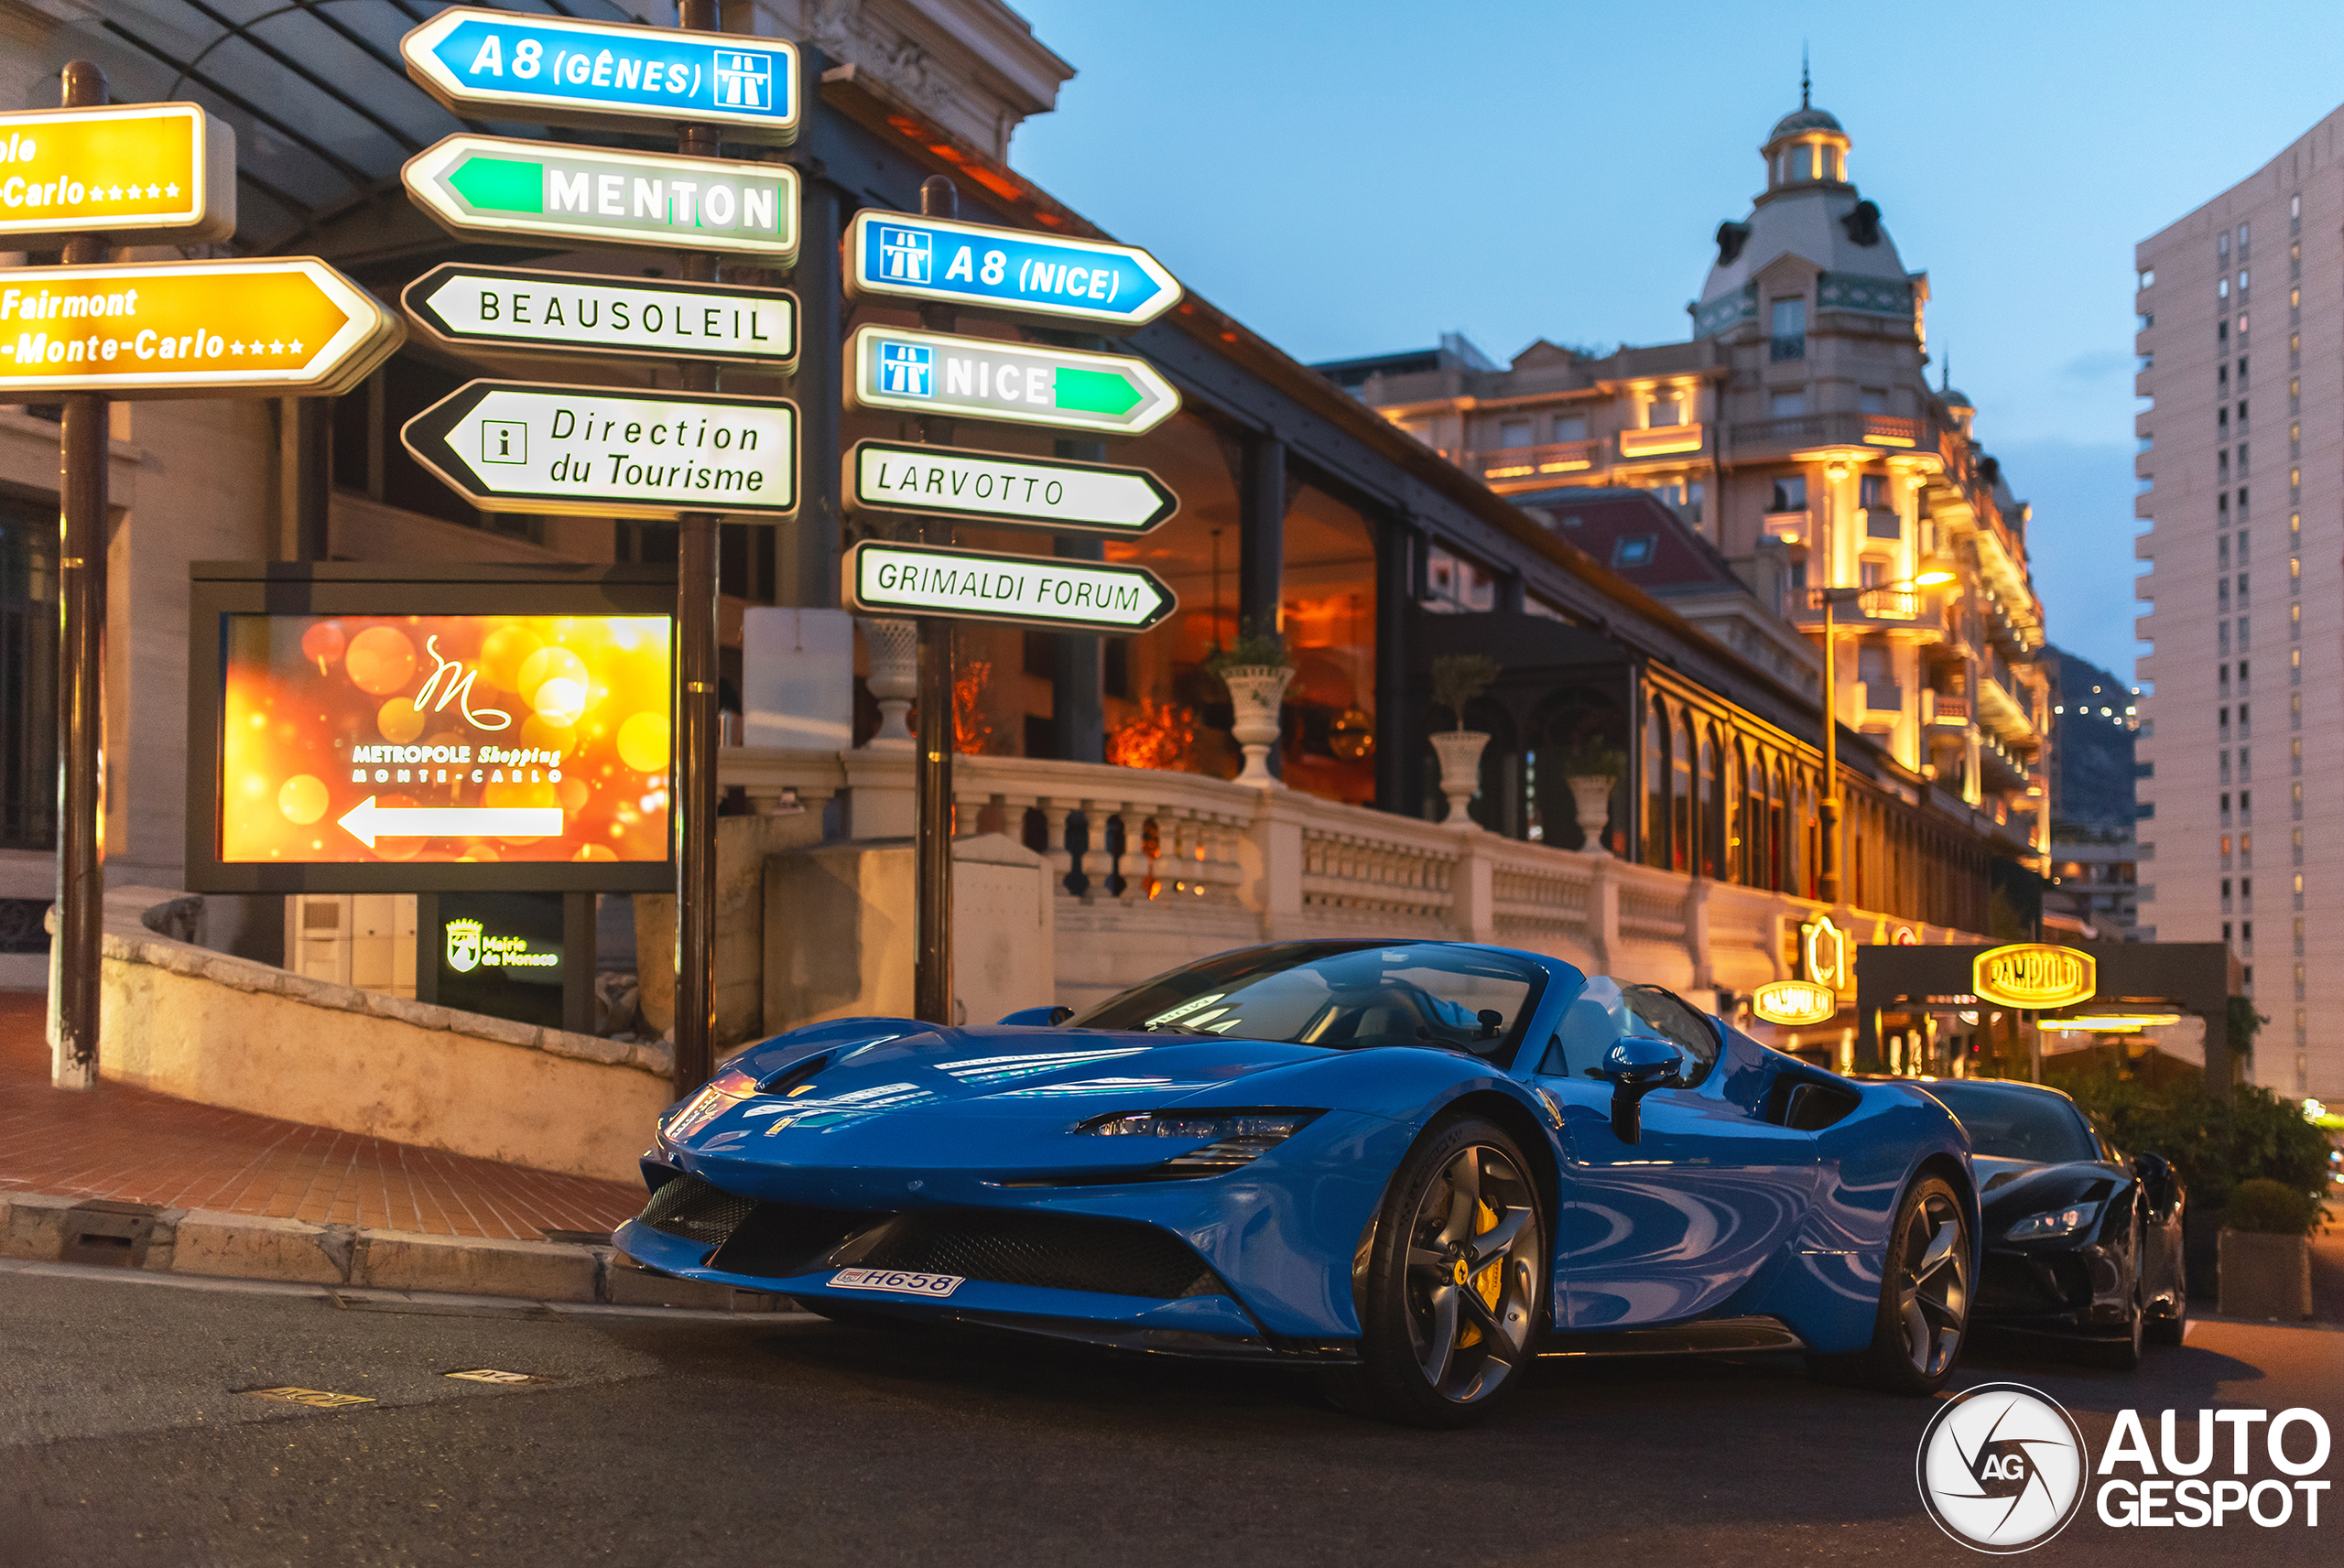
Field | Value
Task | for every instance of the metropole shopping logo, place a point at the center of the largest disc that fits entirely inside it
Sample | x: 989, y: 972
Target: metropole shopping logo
x: 2002, y: 1468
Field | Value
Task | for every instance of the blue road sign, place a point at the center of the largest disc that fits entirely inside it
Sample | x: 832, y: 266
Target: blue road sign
x: 562, y: 71
x: 1015, y: 272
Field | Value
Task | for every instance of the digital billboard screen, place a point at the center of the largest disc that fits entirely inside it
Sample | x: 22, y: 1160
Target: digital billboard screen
x: 381, y: 749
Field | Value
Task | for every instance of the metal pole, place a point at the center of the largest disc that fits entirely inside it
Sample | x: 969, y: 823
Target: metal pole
x: 694, y: 803
x: 932, y: 853
x: 1828, y: 883
x: 81, y: 679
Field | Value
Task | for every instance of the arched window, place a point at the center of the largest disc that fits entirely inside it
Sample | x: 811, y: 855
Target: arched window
x: 1684, y: 822
x: 1655, y: 782
x: 1778, y: 868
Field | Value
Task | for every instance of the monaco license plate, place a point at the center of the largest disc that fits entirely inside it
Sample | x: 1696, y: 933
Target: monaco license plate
x: 897, y: 1281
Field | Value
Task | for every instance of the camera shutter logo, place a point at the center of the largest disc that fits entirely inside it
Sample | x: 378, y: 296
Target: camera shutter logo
x: 2002, y: 1468
x: 463, y: 946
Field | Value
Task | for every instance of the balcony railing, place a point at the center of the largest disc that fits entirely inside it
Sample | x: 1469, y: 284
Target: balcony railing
x: 1662, y: 440
x: 1834, y: 430
x: 1790, y: 527
x: 1519, y: 465
x: 1872, y: 604
x: 1945, y: 709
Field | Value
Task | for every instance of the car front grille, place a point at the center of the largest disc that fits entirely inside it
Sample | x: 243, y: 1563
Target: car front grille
x: 1051, y: 1251
x: 696, y: 1210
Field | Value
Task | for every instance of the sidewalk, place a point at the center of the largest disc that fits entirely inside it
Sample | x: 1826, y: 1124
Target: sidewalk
x: 135, y: 1145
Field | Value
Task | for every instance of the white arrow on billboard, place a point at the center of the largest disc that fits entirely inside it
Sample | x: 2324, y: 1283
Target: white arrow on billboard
x: 367, y: 822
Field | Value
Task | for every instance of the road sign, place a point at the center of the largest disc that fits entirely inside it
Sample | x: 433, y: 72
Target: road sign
x: 558, y: 72
x: 135, y: 167
x: 1029, y: 384
x: 274, y: 327
x: 496, y: 307
x: 1062, y: 496
x: 367, y: 822
x: 1115, y: 287
x: 1017, y: 590
x: 523, y: 447
x: 495, y: 186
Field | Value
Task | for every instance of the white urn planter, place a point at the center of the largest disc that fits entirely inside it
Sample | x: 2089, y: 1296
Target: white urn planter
x: 1592, y: 795
x: 1255, y: 692
x: 892, y: 648
x: 1460, y: 772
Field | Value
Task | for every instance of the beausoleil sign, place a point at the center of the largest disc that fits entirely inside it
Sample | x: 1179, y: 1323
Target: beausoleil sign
x: 493, y: 186
x: 1022, y: 590
x: 1089, y: 498
x: 2034, y: 975
x: 527, y: 446
x: 1011, y: 271
x: 1795, y: 1003
x: 1028, y: 384
x: 573, y: 312
x: 559, y: 70
x: 260, y: 328
x: 135, y: 167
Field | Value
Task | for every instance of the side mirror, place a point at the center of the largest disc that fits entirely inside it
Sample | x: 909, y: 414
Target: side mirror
x: 1637, y: 1065
x: 2155, y: 1175
x: 1037, y: 1018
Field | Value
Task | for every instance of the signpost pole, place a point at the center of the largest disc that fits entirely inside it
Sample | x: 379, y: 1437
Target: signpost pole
x: 694, y: 807
x: 932, y: 964
x: 81, y: 666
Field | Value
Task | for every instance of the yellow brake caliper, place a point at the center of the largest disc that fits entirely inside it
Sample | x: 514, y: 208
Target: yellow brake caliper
x: 1488, y: 1282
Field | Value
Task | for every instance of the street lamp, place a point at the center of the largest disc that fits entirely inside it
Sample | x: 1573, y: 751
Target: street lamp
x: 1932, y: 575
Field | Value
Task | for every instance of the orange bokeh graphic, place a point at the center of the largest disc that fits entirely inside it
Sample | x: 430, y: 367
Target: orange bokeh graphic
x: 370, y: 739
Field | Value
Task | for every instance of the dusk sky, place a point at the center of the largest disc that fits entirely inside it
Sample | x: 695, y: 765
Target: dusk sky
x: 1354, y: 178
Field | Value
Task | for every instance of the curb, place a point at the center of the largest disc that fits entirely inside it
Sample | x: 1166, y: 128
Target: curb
x: 42, y: 1228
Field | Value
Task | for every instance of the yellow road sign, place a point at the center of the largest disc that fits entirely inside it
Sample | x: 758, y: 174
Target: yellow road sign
x: 267, y: 328
x: 131, y: 166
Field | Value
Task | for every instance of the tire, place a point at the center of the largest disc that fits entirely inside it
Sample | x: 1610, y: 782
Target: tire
x: 2168, y: 1328
x: 1447, y: 1318
x: 1922, y: 1320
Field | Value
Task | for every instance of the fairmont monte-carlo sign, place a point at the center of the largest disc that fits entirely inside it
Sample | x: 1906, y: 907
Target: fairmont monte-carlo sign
x: 2033, y: 974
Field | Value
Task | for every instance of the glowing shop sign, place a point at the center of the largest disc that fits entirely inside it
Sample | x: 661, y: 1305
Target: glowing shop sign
x: 1823, y: 947
x: 2035, y: 974
x: 471, y: 945
x: 131, y: 166
x: 1795, y: 1003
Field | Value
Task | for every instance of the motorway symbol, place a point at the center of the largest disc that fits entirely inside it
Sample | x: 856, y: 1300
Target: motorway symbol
x: 1062, y: 496
x: 1017, y: 591
x: 1015, y: 271
x: 367, y: 822
x: 1029, y: 384
x: 593, y: 313
x: 274, y: 327
x: 556, y: 70
x: 133, y: 166
x: 494, y: 187
x: 588, y: 450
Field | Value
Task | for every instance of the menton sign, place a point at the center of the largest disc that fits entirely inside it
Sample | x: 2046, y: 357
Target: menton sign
x: 2033, y: 974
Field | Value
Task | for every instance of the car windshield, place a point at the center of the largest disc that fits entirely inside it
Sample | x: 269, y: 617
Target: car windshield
x: 2015, y: 1124
x: 1345, y: 996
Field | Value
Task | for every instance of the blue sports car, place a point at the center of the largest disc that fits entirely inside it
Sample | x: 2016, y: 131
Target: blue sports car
x: 1411, y: 1164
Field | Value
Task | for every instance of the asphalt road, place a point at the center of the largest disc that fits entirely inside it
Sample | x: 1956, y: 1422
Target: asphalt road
x: 124, y: 1438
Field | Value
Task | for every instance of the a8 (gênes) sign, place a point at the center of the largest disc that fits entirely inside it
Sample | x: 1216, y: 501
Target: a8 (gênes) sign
x: 592, y: 313
x: 1012, y: 271
x: 1031, y: 383
x: 1055, y: 493
x: 268, y: 327
x: 2034, y: 975
x: 1025, y: 591
x: 128, y: 167
x: 494, y: 187
x: 1795, y: 1004
x: 559, y: 71
x: 523, y: 447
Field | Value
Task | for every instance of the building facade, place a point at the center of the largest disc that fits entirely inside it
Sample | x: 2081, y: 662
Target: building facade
x: 2241, y: 309
x: 2095, y: 859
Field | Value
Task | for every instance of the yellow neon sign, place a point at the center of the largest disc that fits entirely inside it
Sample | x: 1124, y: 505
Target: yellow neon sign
x: 1795, y: 1003
x: 2034, y: 975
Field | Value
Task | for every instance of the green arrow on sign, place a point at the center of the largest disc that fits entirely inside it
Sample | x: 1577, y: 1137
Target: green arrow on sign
x: 501, y: 184
x: 1094, y: 391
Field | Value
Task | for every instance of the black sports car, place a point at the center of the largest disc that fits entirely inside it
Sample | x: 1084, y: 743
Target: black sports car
x: 2081, y: 1240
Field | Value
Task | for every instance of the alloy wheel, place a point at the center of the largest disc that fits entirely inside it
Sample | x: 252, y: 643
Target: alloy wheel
x: 1933, y: 1285
x: 1471, y: 1280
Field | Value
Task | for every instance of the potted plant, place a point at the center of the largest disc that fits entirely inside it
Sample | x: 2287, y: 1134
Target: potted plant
x: 2267, y: 1250
x: 1457, y: 680
x: 1592, y: 769
x: 1255, y: 670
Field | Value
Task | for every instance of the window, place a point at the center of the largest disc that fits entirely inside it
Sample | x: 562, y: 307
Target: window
x: 1570, y: 426
x: 1790, y: 329
x: 1454, y: 585
x: 2221, y: 289
x: 1664, y: 409
x: 2242, y: 286
x: 1872, y: 400
x: 2295, y: 206
x: 2148, y: 278
x: 1871, y: 489
x: 1605, y: 1010
x: 1790, y: 494
x: 1787, y: 405
x: 1514, y: 433
x: 2222, y: 244
x: 1633, y: 549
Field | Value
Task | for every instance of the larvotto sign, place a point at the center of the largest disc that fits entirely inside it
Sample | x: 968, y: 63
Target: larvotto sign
x: 2033, y: 974
x: 1055, y: 493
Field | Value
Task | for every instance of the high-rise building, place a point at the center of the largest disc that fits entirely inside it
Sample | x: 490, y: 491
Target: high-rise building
x: 2242, y: 313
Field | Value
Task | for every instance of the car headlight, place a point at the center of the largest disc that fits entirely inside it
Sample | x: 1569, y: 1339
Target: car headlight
x: 2071, y: 1220
x: 1236, y: 1136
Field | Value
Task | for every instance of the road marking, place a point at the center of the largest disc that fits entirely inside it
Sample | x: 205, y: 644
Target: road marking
x: 491, y: 1375
x: 317, y: 1399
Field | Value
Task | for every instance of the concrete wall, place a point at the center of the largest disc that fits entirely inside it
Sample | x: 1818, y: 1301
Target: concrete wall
x: 743, y: 845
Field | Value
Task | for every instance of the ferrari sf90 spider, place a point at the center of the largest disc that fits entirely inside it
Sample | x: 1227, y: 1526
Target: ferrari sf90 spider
x: 1413, y: 1164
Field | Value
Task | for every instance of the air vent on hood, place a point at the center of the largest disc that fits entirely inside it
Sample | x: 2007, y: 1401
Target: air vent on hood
x: 789, y: 1078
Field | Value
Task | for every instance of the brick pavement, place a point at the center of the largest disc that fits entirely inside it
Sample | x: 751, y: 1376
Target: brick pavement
x: 143, y: 1147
